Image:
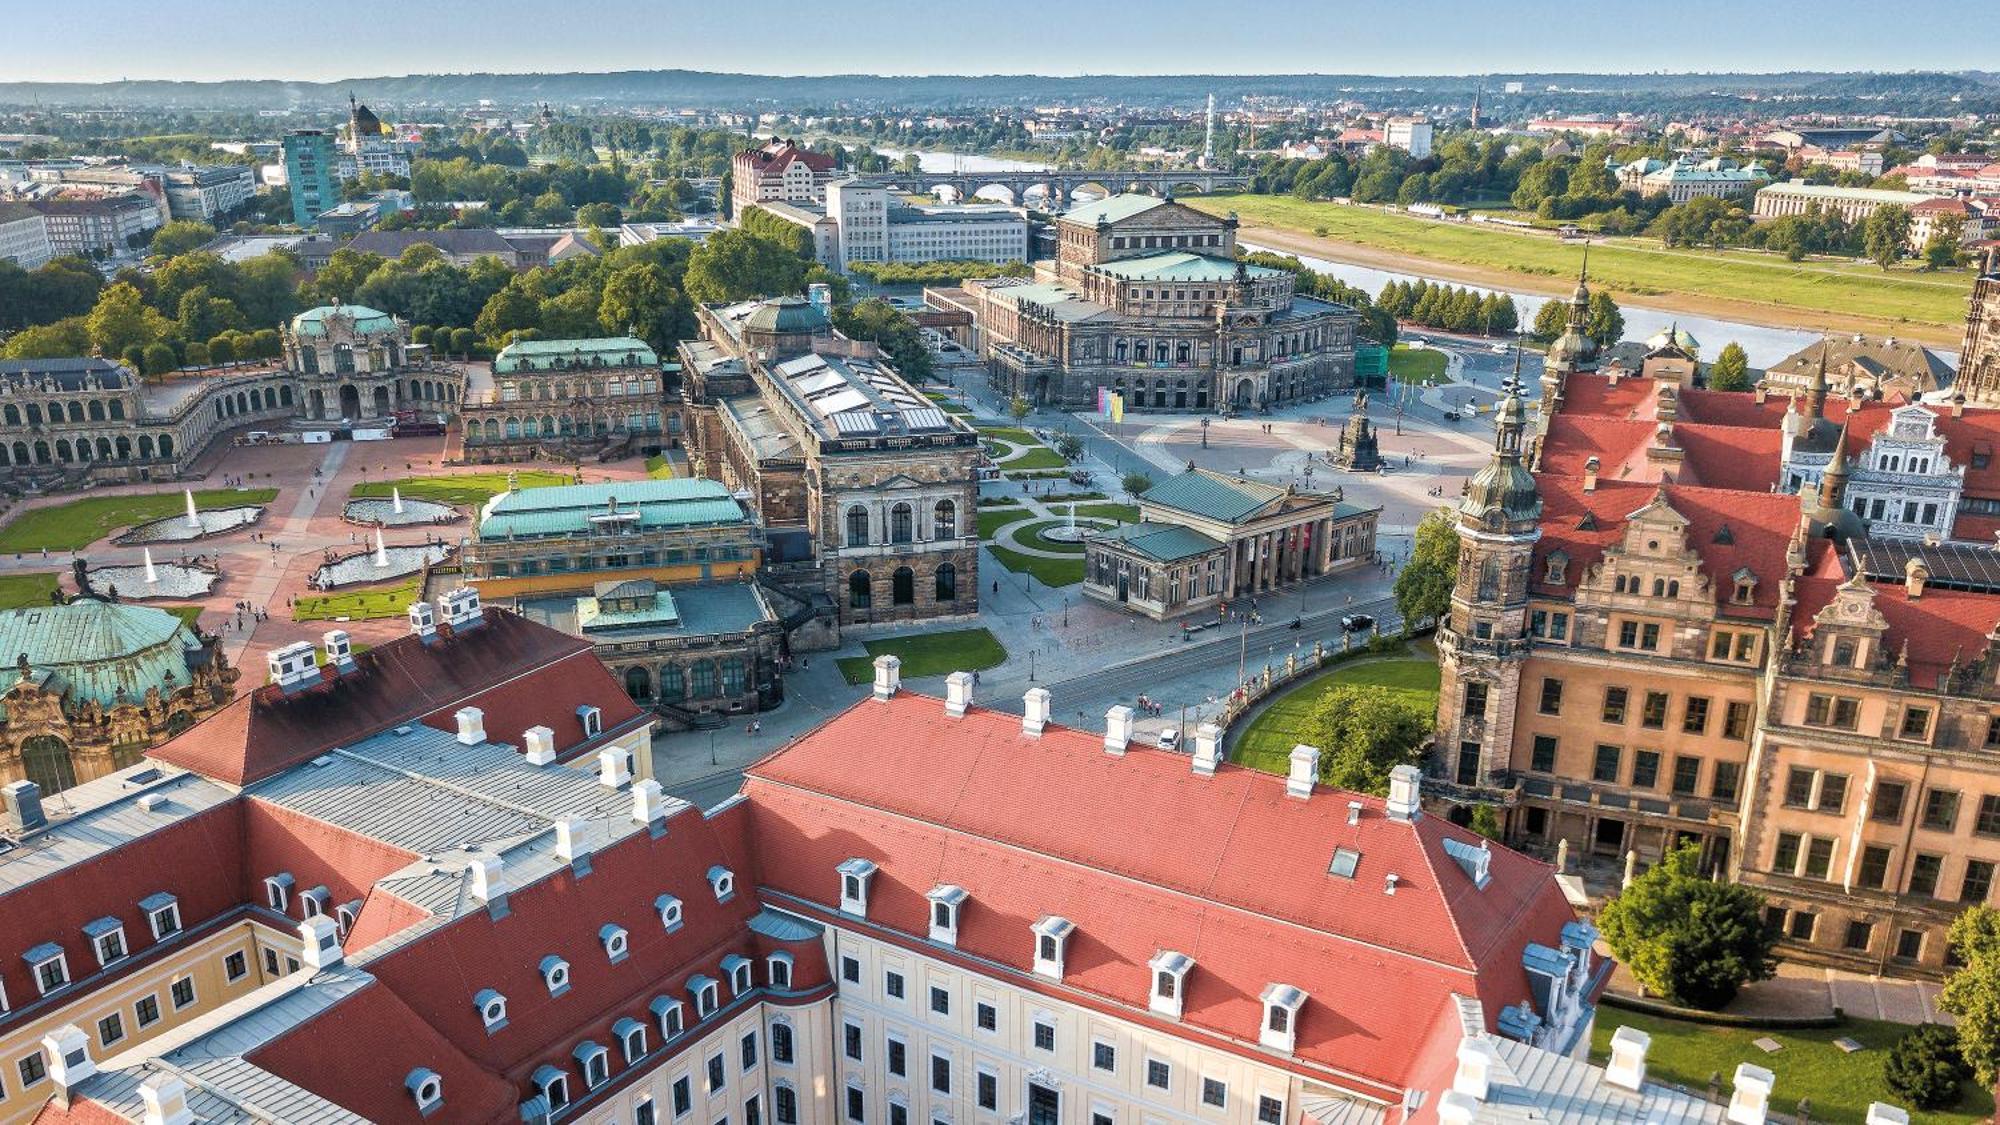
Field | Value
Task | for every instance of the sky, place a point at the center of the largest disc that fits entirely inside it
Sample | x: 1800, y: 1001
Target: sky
x: 101, y: 40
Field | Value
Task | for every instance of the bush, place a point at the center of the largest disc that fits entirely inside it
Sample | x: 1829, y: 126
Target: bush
x: 1688, y: 938
x: 1135, y: 482
x: 1925, y: 1068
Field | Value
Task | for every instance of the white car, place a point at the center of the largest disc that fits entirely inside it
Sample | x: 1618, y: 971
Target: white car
x: 1501, y: 349
x: 1169, y: 738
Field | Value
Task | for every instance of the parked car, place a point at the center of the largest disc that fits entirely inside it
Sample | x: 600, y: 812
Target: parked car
x: 1500, y: 349
x: 1355, y: 622
x: 1169, y: 738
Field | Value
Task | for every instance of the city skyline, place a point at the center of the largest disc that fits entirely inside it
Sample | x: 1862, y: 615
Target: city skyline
x: 120, y: 40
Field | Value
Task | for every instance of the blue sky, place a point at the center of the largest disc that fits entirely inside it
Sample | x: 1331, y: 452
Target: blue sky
x: 91, y: 40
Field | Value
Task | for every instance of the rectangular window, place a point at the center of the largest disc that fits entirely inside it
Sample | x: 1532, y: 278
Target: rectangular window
x: 941, y: 1073
x: 183, y: 992
x: 1645, y: 769
x: 1542, y: 759
x: 986, y: 1016
x: 898, y: 1057
x: 1874, y: 871
x: 1687, y: 775
x: 1606, y: 768
x: 1103, y: 1055
x: 235, y: 966
x: 1832, y: 792
x: 1887, y: 807
x: 1859, y: 934
x: 1723, y: 787
x: 1159, y: 1075
x: 1978, y: 881
x: 1988, y: 821
x: 856, y: 1105
x: 1802, y: 925
x: 1045, y: 1036
x: 851, y: 1041
x: 1819, y: 857
x: 1940, y: 809
x: 1614, y: 704
x: 1798, y: 788
x: 717, y: 1075
x: 989, y: 1090
x: 850, y: 969
x: 1736, y: 721
x: 111, y: 1028
x: 1838, y: 712
x: 1694, y: 719
x: 1270, y: 1110
x: 892, y: 984
x: 33, y: 1069
x: 1475, y: 700
x: 940, y: 1001
x: 753, y: 1111
x: 1552, y: 696
x: 785, y: 1105
x: 1653, y: 715
x: 1785, y: 860
x: 1916, y: 725
x: 147, y: 1011
x: 1924, y: 875
x: 1214, y: 1093
x: 749, y: 1053
x: 1909, y: 945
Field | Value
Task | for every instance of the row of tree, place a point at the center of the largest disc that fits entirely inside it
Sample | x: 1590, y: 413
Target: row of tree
x: 1449, y: 308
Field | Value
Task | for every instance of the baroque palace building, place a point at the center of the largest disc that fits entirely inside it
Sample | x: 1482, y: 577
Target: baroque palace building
x: 865, y: 487
x: 597, y: 397
x: 1728, y: 619
x: 1146, y: 298
x: 434, y: 881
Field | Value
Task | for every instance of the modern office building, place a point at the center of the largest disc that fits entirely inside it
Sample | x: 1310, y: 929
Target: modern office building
x: 864, y: 221
x: 24, y: 236
x: 205, y: 193
x: 99, y: 227
x: 312, y: 172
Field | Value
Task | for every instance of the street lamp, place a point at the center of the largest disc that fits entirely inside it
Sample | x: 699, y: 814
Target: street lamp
x: 1066, y: 606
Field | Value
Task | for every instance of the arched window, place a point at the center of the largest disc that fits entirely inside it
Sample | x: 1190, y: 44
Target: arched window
x: 903, y: 586
x: 732, y: 676
x: 12, y: 415
x: 76, y: 412
x: 638, y: 684
x: 673, y: 686
x: 860, y: 595
x: 857, y: 526
x: 343, y: 359
x: 63, y: 453
x: 34, y: 415
x: 947, y: 583
x: 944, y: 520
x: 21, y: 451
x: 701, y: 681
x: 103, y: 449
x: 309, y: 361
x: 146, y: 448
x: 902, y: 524
x: 166, y: 446
x: 117, y: 411
x: 124, y: 448
x: 284, y: 396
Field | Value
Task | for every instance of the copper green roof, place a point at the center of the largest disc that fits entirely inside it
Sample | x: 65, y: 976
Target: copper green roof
x: 582, y: 509
x: 312, y: 322
x: 786, y: 314
x: 1161, y: 542
x: 1180, y: 265
x: 1112, y: 209
x: 551, y: 355
x: 1217, y: 497
x: 91, y: 649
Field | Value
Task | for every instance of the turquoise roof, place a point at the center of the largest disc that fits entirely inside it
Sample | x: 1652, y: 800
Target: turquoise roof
x: 98, y: 650
x: 1112, y: 209
x: 1162, y: 542
x: 1180, y: 265
x: 575, y: 509
x: 312, y: 322
x: 549, y: 355
x: 1213, y: 495
x: 659, y: 610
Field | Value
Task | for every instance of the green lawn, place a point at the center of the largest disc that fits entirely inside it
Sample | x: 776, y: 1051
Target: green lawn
x: 1015, y: 434
x: 18, y: 591
x: 472, y: 489
x: 1266, y: 744
x: 80, y: 523
x: 1810, y: 1066
x: 189, y: 614
x: 1123, y: 513
x: 1047, y: 571
x: 1629, y: 265
x: 928, y: 654
x: 1032, y: 533
x: 1414, y: 365
x: 659, y: 468
x: 359, y: 605
x: 991, y: 520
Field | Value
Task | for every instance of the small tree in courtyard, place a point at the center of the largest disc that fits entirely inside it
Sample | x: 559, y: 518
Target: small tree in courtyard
x: 1972, y: 991
x: 1364, y: 732
x: 1136, y: 482
x: 1925, y: 1069
x: 1688, y: 938
x: 1070, y: 446
x: 1018, y: 408
x: 1423, y: 589
x: 1731, y: 369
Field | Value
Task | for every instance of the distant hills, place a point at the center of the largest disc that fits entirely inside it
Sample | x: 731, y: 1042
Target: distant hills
x: 1926, y: 92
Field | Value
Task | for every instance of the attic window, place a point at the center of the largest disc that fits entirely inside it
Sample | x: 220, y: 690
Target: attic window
x: 854, y: 876
x: 1724, y: 536
x: 554, y: 1085
x: 427, y: 1088
x: 344, y: 916
x: 592, y: 719
x: 737, y: 968
x: 631, y: 1038
x: 1345, y: 861
x: 314, y: 902
x: 163, y: 915
x: 667, y: 1010
x: 1281, y: 1016
x: 555, y: 974
x: 1588, y: 522
x: 722, y: 882
x: 707, y: 995
x: 1170, y: 970
x: 614, y: 941
x: 492, y: 1008
x: 107, y: 938
x: 1746, y: 586
x: 946, y: 901
x: 1051, y: 937
x: 669, y: 909
x: 50, y: 965
x: 779, y: 969
x: 595, y: 1062
x: 278, y: 891
x: 1558, y: 568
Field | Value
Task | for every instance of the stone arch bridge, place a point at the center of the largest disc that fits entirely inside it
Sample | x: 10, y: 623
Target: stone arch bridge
x: 1045, y: 184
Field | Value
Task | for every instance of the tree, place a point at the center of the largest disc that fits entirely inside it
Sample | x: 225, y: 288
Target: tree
x: 1925, y: 1068
x: 1364, y: 732
x: 1485, y: 821
x: 1688, y: 938
x: 892, y: 329
x: 66, y: 337
x: 1069, y: 446
x: 1972, y: 991
x: 1606, y: 324
x: 509, y: 310
x: 734, y: 265
x: 641, y: 298
x: 197, y: 354
x: 1135, y: 482
x: 121, y: 320
x: 1941, y: 249
x: 1731, y: 369
x: 221, y: 350
x: 179, y: 237
x: 1550, y: 320
x: 1423, y: 589
x: 1885, y: 236
x: 1019, y: 408
x: 158, y: 359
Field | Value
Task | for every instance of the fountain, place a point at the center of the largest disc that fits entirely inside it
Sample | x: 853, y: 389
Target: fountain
x: 394, y: 511
x: 1068, y: 533
x: 147, y: 579
x: 381, y: 551
x: 152, y: 573
x: 396, y: 500
x: 193, y: 515
x: 366, y: 567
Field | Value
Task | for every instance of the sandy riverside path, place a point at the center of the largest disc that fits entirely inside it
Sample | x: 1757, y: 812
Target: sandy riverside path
x: 1694, y: 304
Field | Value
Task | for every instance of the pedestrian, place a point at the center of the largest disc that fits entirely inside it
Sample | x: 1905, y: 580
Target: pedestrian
x: 996, y: 585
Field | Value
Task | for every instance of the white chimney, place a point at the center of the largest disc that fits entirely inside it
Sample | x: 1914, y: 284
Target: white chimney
x: 1035, y: 708
x: 471, y: 726
x: 459, y: 608
x: 1457, y: 1109
x: 648, y: 806
x: 1590, y: 468
x: 1882, y: 1113
x: 1354, y: 812
x: 423, y: 621
x: 488, y: 877
x: 569, y: 838
x: 319, y: 943
x: 1117, y: 729
x: 165, y: 1099
x: 293, y: 665
x: 339, y: 647
x: 1207, y: 749
x: 540, y: 744
x: 1475, y: 1067
x: 1305, y: 771
x: 957, y: 694
x: 612, y: 771
x: 68, y: 1052
x: 1389, y: 883
x: 1750, y: 1101
x: 1406, y: 784
x: 888, y: 677
x: 1628, y: 1058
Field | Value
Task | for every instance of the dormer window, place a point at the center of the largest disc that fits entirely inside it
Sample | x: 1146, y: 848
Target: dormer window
x: 107, y: 938
x: 707, y: 995
x: 163, y: 915
x: 1557, y: 565
x: 278, y: 891
x: 592, y: 720
x: 1051, y: 939
x: 344, y: 916
x: 667, y: 1010
x: 595, y: 1062
x: 614, y: 941
x: 854, y: 876
x: 50, y: 965
x: 669, y: 909
x: 1745, y: 591
x: 555, y: 974
x: 737, y: 968
x: 492, y: 1008
x: 554, y: 1085
x: 946, y: 901
x: 631, y: 1038
x: 722, y: 882
x: 427, y: 1088
x: 1170, y: 972
x: 779, y: 970
x: 315, y: 902
x: 1281, y: 1016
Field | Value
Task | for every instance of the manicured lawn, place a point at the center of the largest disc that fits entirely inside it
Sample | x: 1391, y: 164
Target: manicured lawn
x: 1810, y: 1066
x: 1047, y: 571
x: 659, y: 468
x: 1629, y: 265
x: 1123, y: 513
x: 928, y: 654
x: 358, y: 605
x: 1015, y: 434
x: 1266, y: 744
x: 471, y: 489
x: 1414, y: 365
x: 80, y: 523
x: 1032, y: 533
x: 18, y: 591
x: 992, y: 520
x: 189, y: 614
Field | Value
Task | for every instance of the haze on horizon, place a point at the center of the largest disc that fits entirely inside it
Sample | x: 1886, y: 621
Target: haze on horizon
x: 108, y: 40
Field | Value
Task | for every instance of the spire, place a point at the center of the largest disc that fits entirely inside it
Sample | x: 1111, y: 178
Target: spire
x: 1835, y: 479
x: 1816, y: 392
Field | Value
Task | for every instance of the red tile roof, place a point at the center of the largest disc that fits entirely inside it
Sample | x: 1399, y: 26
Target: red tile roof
x: 777, y: 156
x: 1938, y: 626
x: 1227, y: 870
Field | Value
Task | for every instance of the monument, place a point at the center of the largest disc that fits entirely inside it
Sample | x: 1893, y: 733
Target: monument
x: 1357, y: 449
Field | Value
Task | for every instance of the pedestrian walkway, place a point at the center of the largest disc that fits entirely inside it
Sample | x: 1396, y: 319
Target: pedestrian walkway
x: 1810, y: 990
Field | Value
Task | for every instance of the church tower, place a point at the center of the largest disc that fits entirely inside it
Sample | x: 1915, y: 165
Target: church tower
x: 1979, y: 355
x: 1483, y: 641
